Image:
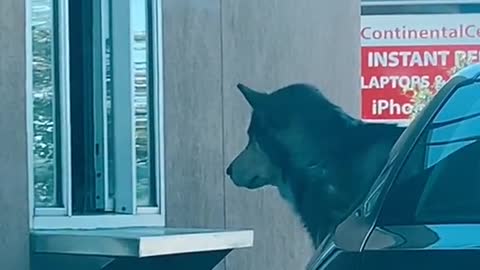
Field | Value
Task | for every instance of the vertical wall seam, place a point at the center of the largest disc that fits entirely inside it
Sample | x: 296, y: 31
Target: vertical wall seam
x: 223, y: 120
x: 223, y: 113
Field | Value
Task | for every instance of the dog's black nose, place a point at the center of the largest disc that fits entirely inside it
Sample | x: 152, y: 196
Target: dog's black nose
x: 229, y: 170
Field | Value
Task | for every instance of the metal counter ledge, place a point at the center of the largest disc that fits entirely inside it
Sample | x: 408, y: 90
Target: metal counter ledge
x: 138, y: 242
x: 143, y: 248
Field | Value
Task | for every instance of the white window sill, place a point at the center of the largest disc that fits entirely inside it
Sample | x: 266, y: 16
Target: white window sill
x: 107, y: 221
x: 138, y: 242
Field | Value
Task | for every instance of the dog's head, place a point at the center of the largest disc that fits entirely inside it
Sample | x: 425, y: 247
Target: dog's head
x: 253, y: 168
x: 293, y: 128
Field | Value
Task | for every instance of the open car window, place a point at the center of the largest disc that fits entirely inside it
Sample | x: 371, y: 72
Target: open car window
x: 440, y: 180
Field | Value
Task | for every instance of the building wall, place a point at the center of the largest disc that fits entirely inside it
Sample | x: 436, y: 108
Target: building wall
x: 14, y: 213
x: 210, y: 46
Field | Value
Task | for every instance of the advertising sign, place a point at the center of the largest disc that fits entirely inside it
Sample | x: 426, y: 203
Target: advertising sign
x: 405, y: 51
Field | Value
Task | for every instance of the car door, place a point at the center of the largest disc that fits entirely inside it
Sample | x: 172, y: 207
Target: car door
x: 430, y: 217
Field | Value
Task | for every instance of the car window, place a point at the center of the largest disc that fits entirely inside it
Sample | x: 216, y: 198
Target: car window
x: 459, y: 105
x: 440, y: 180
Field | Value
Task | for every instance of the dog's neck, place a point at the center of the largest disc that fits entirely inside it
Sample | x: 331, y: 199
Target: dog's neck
x: 321, y: 203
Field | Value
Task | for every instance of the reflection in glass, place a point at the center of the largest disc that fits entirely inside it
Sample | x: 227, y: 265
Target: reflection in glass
x: 458, y: 130
x: 437, y: 153
x: 145, y: 185
x: 464, y: 102
x: 141, y: 63
x: 459, y: 124
x: 108, y: 90
x: 44, y: 111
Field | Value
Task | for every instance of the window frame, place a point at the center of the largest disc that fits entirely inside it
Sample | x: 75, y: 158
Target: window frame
x: 61, y: 70
x: 125, y: 191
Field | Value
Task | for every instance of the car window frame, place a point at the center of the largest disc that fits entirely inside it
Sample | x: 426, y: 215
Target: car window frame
x: 409, y: 140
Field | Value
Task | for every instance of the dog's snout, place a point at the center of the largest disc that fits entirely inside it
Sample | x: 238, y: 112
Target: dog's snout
x: 229, y: 170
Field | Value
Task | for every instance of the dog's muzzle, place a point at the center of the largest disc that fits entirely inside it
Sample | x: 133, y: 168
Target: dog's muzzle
x: 229, y: 170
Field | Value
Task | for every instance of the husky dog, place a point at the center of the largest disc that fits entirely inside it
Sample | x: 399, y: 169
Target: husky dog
x: 322, y: 160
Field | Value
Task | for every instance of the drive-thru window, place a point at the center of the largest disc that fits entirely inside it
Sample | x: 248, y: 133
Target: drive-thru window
x: 96, y: 142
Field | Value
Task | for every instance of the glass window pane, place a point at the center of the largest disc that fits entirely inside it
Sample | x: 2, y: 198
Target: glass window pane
x: 460, y: 129
x: 108, y: 96
x: 460, y: 104
x: 437, y: 153
x: 142, y: 104
x: 143, y: 121
x: 45, y: 154
x: 440, y: 181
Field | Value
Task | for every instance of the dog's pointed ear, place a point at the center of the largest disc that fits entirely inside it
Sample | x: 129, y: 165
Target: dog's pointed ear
x: 254, y: 98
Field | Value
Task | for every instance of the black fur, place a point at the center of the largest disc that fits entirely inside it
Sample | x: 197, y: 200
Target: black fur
x: 327, y: 158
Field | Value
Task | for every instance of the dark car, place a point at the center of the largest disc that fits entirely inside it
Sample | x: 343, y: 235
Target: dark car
x: 423, y: 212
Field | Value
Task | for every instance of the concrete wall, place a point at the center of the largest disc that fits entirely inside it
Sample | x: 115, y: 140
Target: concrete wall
x: 14, y: 211
x: 210, y: 46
